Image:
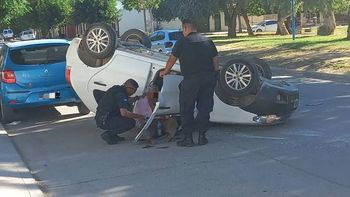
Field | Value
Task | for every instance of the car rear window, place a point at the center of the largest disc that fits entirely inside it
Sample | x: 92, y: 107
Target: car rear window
x: 175, y: 35
x: 39, y: 55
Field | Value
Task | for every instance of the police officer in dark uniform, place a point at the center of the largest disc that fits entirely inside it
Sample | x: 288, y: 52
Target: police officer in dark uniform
x: 112, y: 112
x: 199, y: 65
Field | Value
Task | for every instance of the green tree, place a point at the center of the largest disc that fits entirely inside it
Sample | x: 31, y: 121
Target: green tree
x: 91, y: 11
x: 283, y: 10
x: 47, y: 15
x: 343, y: 7
x: 12, y: 9
x: 199, y: 10
x: 140, y: 5
x: 327, y: 8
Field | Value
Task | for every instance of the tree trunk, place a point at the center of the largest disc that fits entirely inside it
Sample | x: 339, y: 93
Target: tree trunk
x: 232, y: 23
x: 288, y: 24
x: 281, y: 26
x: 329, y: 24
x: 246, y: 19
x: 349, y: 25
x: 239, y: 24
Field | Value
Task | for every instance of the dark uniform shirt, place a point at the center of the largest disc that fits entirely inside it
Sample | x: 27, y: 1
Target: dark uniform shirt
x: 115, y: 98
x: 195, y: 53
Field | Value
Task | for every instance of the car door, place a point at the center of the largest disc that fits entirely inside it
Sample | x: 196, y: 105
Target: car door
x: 271, y: 26
x: 168, y: 102
x: 158, y: 41
x: 169, y: 95
x: 120, y: 68
x: 274, y: 26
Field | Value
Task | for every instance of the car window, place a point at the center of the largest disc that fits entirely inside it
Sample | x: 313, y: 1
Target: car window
x: 39, y: 55
x: 175, y: 35
x: 161, y: 35
x: 154, y: 37
x: 271, y: 22
x: 261, y: 23
x: 158, y: 36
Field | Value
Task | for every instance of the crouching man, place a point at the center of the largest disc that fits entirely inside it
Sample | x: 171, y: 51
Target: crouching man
x: 112, y: 112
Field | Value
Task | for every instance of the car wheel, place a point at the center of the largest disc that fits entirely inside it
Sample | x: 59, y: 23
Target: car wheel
x: 99, y: 41
x: 241, y: 101
x: 259, y: 30
x: 136, y: 35
x: 83, y: 110
x: 262, y: 67
x: 7, y: 114
x: 239, y: 77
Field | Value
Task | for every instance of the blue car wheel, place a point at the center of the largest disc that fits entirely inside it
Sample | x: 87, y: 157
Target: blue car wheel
x: 83, y: 110
x: 7, y: 114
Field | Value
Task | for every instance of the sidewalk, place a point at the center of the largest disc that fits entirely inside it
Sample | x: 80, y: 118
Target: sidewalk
x: 15, y: 178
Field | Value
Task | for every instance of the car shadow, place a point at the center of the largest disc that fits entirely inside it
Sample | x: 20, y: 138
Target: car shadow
x: 44, y: 114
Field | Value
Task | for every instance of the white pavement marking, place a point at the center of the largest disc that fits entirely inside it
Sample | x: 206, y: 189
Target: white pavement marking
x: 305, y: 132
x: 258, y: 137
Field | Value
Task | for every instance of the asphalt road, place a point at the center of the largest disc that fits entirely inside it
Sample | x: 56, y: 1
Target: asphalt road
x: 306, y: 156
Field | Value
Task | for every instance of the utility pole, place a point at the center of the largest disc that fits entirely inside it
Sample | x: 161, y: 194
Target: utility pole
x: 293, y: 18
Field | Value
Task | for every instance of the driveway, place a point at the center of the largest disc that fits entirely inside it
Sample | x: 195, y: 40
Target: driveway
x: 306, y: 156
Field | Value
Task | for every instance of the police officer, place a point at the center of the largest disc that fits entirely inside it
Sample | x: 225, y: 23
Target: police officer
x: 199, y: 65
x: 112, y: 112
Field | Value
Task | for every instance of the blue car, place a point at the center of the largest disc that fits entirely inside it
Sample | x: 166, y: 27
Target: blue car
x: 164, y: 40
x: 33, y: 74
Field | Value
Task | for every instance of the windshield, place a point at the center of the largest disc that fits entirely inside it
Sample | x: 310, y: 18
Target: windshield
x: 261, y: 23
x: 175, y: 35
x: 39, y: 55
x: 7, y: 31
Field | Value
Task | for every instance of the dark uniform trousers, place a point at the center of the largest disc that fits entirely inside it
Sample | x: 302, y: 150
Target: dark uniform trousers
x: 197, y: 90
x: 115, y: 124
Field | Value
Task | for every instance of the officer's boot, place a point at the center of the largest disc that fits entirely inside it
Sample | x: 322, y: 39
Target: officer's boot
x: 202, y: 140
x: 187, y: 141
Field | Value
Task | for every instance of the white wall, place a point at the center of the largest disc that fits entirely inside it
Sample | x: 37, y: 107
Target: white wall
x: 252, y: 20
x: 173, y: 24
x: 134, y: 20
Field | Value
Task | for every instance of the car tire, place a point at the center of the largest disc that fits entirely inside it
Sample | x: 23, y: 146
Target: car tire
x: 259, y: 30
x: 7, y: 114
x: 239, y: 77
x: 263, y: 68
x: 83, y: 110
x: 137, y: 35
x: 241, y: 101
x: 99, y: 41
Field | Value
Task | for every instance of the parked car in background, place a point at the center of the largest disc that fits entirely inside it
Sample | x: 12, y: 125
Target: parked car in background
x: 7, y: 34
x: 27, y: 35
x: 33, y: 74
x: 164, y: 40
x: 245, y: 93
x: 265, y: 26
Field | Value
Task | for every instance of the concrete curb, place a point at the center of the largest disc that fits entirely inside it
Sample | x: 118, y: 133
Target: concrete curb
x: 15, y: 177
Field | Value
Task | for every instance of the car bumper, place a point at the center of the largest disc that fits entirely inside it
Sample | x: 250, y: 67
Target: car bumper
x: 17, y: 98
x: 275, y: 101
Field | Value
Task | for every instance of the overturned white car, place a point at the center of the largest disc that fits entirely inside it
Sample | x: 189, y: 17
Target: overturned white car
x: 244, y: 93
